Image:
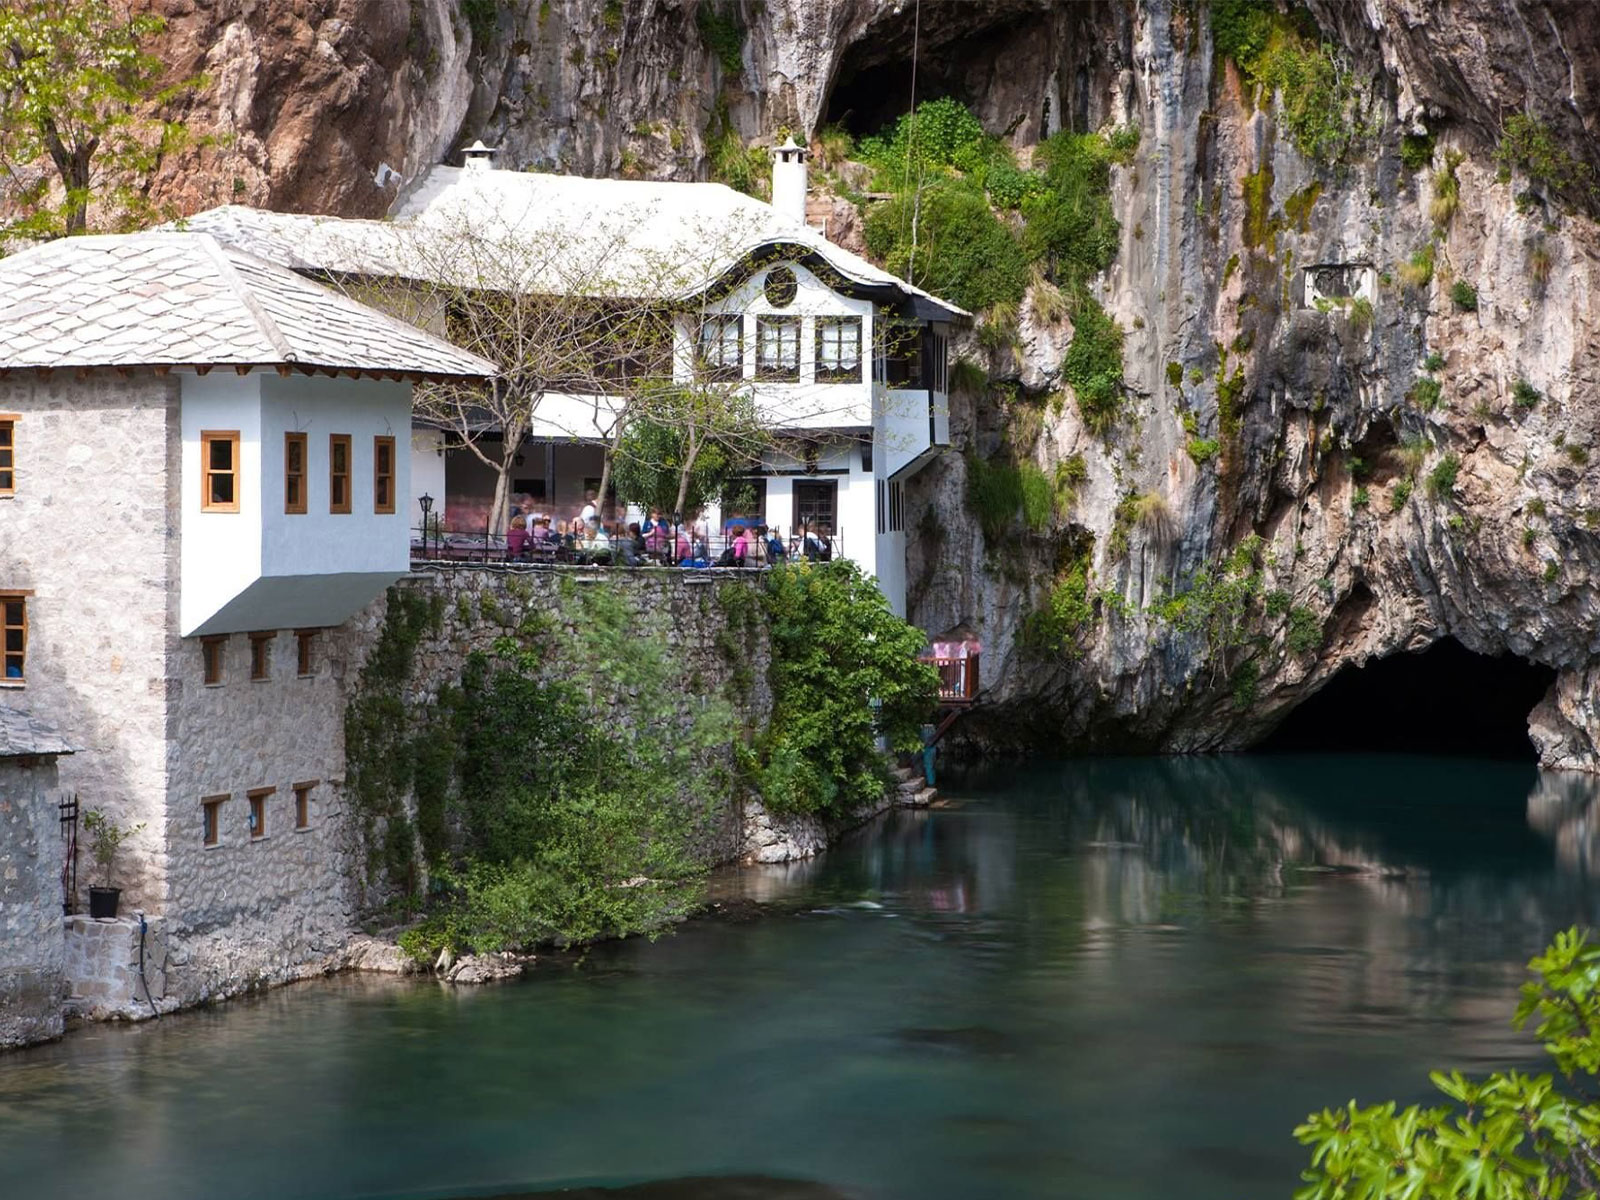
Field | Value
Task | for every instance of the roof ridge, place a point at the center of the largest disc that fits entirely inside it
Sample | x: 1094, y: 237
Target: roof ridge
x: 246, y: 296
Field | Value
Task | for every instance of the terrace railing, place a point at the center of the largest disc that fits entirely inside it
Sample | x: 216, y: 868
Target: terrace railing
x: 436, y: 546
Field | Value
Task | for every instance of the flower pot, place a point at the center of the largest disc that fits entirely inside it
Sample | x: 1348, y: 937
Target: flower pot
x: 103, y: 901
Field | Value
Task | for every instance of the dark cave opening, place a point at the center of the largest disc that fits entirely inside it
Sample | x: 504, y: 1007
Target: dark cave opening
x: 868, y: 100
x: 1442, y: 700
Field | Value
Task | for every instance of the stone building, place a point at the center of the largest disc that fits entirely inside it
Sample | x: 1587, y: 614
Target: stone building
x: 31, y: 945
x: 202, y: 471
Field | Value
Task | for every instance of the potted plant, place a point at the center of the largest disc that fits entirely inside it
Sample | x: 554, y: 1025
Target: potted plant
x: 105, y: 836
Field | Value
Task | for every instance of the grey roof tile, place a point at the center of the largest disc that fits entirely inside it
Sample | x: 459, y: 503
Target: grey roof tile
x: 23, y: 735
x: 180, y: 299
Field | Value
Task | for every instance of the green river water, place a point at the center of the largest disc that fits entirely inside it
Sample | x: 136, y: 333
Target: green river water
x: 1102, y: 978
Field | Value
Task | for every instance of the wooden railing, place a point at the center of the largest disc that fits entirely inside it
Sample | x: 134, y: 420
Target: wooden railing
x: 958, y: 678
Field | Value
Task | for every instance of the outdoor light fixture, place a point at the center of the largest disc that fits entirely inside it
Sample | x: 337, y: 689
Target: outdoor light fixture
x: 425, y: 501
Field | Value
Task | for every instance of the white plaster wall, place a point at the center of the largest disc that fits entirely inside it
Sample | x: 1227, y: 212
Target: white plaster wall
x: 427, y: 474
x: 221, y: 550
x: 806, y: 404
x: 91, y: 531
x: 318, y: 542
x: 890, y: 555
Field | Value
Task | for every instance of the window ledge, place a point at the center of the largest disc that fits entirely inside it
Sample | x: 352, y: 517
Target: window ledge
x: 15, y: 684
x: 302, y: 828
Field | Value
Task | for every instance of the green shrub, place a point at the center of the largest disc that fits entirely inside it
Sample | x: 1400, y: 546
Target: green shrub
x: 1174, y: 374
x: 1093, y: 365
x: 1400, y: 493
x: 939, y: 136
x: 1067, y: 613
x: 1360, y: 498
x: 1240, y: 28
x: 1425, y: 393
x: 1552, y: 572
x: 967, y: 376
x: 1038, y: 496
x: 994, y: 495
x: 1434, y: 361
x: 1417, y: 271
x: 1361, y: 315
x: 723, y: 34
x: 1305, y: 631
x: 1446, y: 191
x: 1069, y: 223
x: 1442, y: 479
x: 835, y: 647
x: 1512, y: 1135
x: 1416, y: 150
x: 963, y: 251
x: 1524, y: 395
x: 1464, y: 296
x: 1203, y: 450
x: 1527, y: 143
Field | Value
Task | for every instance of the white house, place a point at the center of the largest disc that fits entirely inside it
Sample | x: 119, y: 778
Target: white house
x: 845, y: 363
x: 203, y: 473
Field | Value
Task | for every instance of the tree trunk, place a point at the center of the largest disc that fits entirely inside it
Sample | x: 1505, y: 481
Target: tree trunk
x: 684, y: 474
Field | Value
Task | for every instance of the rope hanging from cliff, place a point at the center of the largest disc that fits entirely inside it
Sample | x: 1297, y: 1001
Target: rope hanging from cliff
x: 911, y: 141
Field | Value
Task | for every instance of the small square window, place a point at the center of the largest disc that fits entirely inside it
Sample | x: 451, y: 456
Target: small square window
x: 211, y: 815
x: 261, y: 655
x: 258, y: 811
x: 8, y: 454
x: 383, y: 475
x: 839, y: 350
x: 722, y: 348
x: 14, y: 632
x: 294, y: 472
x: 778, y: 349
x: 338, y: 472
x: 211, y: 655
x: 219, y: 470
x: 302, y: 804
x: 305, y: 647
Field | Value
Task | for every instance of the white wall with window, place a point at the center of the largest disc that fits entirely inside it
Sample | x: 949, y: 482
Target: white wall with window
x: 292, y: 502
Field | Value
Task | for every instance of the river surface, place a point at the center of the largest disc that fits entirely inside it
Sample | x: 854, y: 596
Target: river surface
x: 1106, y: 978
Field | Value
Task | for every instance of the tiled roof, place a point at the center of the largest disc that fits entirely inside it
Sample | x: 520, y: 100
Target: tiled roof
x: 608, y: 236
x: 182, y: 299
x: 23, y: 735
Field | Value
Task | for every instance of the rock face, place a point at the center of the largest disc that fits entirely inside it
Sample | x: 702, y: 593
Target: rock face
x: 1326, y: 446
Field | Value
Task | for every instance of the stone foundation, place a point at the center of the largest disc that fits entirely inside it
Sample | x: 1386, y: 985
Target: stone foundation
x: 103, y: 968
x: 30, y: 904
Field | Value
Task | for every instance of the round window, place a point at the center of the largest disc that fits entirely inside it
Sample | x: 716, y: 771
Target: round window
x: 781, y: 287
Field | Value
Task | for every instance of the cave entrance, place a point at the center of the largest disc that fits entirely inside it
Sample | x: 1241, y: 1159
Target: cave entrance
x: 1442, y: 700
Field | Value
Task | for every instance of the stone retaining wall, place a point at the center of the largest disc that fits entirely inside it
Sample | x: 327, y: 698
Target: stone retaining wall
x: 108, y: 974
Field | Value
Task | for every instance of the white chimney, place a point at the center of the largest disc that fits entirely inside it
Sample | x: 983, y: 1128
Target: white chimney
x: 789, y: 180
x: 478, y: 157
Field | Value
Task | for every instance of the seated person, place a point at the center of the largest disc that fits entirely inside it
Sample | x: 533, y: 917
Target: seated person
x: 517, y: 538
x: 595, y: 542
x: 777, y: 552
x: 818, y: 546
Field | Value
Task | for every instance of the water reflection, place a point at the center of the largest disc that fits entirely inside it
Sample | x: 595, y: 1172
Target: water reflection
x: 1114, y: 977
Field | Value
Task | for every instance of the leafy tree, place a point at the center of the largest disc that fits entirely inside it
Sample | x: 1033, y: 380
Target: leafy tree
x: 1509, y: 1136
x: 682, y: 444
x: 836, y: 647
x: 77, y: 86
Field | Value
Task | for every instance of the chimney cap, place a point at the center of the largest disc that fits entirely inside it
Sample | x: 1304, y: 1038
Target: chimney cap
x: 790, y: 151
x: 478, y: 155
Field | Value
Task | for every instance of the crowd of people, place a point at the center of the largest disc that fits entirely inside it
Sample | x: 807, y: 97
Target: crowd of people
x: 589, y: 538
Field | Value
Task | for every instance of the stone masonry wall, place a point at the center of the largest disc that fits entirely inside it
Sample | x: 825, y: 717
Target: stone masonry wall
x: 91, y: 531
x: 689, y: 608
x: 259, y: 904
x: 31, y: 986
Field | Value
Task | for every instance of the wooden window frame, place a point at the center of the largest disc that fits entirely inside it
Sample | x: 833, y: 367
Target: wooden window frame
x: 296, y: 507
x: 838, y: 325
x: 781, y: 372
x: 208, y: 438
x: 8, y: 453
x: 258, y: 811
x: 336, y: 477
x: 305, y: 644
x: 6, y: 678
x: 721, y: 370
x: 379, y: 505
x: 302, y: 803
x: 211, y: 819
x: 212, y: 668
x: 261, y: 656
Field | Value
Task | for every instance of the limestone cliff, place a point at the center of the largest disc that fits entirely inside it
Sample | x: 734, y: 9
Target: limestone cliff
x: 1413, y: 452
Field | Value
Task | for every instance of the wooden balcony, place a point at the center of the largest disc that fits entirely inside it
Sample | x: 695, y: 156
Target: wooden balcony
x: 958, y: 680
